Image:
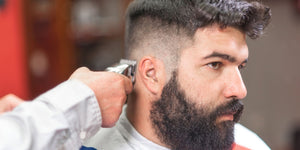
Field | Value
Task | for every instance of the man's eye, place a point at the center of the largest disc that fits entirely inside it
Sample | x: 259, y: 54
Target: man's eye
x: 242, y: 66
x: 215, y: 65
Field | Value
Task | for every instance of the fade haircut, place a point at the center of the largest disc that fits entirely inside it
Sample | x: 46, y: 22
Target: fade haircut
x: 163, y: 27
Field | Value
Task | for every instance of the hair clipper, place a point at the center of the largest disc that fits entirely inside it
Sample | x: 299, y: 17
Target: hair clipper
x: 125, y: 67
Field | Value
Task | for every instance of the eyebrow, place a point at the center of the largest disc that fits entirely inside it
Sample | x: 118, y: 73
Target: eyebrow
x: 224, y: 56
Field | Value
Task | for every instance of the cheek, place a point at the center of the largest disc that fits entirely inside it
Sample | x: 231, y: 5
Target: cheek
x: 200, y: 86
x: 199, y: 90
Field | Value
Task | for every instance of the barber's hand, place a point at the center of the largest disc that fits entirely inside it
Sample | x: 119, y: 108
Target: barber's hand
x: 9, y: 102
x: 111, y: 91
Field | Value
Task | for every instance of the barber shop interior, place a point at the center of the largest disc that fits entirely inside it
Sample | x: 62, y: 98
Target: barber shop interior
x: 42, y: 42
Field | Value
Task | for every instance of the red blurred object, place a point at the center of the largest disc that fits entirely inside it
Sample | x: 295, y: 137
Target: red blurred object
x: 238, y: 147
x: 298, y: 5
x: 13, y: 77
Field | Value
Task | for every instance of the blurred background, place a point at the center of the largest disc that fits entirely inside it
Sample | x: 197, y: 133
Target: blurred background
x: 43, y: 41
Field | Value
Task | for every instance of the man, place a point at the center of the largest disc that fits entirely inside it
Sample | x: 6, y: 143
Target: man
x: 188, y: 89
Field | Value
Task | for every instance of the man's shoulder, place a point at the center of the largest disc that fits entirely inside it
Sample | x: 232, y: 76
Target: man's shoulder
x: 246, y: 138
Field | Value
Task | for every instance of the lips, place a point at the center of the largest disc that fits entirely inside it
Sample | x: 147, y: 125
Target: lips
x: 237, y: 115
x: 233, y: 108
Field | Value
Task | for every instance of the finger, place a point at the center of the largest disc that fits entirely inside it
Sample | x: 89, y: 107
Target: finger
x: 127, y: 85
x: 11, y: 97
x: 79, y: 72
x: 9, y: 102
x: 15, y: 100
x: 83, y: 69
x: 123, y: 99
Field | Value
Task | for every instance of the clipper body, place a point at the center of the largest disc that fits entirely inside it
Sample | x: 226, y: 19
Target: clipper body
x: 125, y: 67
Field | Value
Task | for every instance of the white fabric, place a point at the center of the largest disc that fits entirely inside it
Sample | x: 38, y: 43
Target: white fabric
x: 124, y: 137
x: 248, y: 139
x: 54, y: 120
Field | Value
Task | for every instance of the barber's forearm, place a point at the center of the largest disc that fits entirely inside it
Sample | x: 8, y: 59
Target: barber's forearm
x: 53, y: 120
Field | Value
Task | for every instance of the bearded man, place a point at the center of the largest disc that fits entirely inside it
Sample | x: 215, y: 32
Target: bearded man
x: 188, y: 89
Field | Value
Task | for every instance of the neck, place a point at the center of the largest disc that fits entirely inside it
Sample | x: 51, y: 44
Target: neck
x: 138, y: 113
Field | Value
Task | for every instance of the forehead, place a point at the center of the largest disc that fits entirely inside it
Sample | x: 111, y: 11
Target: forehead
x: 227, y: 40
x: 216, y: 33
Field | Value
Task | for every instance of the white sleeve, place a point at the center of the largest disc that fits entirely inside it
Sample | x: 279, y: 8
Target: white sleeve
x: 55, y: 120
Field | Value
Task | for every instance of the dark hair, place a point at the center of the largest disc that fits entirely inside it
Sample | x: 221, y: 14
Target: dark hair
x: 250, y: 17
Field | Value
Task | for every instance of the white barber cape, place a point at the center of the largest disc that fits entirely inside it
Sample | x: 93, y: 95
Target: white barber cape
x: 124, y: 137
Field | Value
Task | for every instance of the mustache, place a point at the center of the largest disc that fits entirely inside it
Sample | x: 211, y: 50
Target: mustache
x: 234, y: 107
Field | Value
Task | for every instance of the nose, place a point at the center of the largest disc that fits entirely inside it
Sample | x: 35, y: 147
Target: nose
x: 234, y: 85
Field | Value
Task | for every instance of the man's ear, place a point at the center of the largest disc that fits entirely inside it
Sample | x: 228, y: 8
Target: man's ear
x: 152, y: 74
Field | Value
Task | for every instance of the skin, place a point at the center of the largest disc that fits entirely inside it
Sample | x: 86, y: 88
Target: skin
x: 208, y: 72
x: 9, y: 102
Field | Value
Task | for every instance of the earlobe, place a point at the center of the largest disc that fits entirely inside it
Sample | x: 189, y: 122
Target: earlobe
x: 150, y: 74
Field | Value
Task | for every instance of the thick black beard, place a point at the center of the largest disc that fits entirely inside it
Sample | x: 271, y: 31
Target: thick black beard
x: 179, y: 124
